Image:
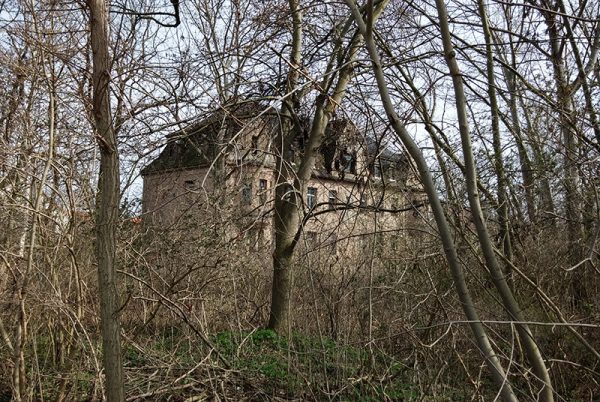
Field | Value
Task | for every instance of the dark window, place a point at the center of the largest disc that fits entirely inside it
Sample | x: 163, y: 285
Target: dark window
x: 332, y: 199
x: 247, y: 194
x: 416, y: 204
x: 311, y: 197
x: 262, y: 191
x: 254, y: 144
x: 333, y: 243
x: 347, y: 160
x: 377, y: 169
x: 363, y: 200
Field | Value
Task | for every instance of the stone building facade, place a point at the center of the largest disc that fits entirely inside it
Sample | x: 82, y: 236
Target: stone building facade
x: 221, y: 171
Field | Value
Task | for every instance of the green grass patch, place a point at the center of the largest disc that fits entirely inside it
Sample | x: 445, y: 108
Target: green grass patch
x: 303, y: 366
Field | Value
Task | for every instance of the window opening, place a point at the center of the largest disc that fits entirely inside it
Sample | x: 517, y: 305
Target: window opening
x: 333, y: 243
x: 247, y: 194
x: 311, y: 197
x: 377, y: 169
x: 363, y: 200
x: 254, y: 144
x: 348, y: 162
x: 311, y: 238
x: 332, y: 198
x: 262, y: 191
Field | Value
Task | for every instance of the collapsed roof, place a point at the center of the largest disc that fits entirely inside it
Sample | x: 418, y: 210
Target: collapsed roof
x: 198, y: 144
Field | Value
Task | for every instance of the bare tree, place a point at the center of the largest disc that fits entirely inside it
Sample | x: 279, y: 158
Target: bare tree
x: 289, y: 204
x: 478, y: 329
x: 411, y: 292
x: 107, y: 203
x: 498, y: 277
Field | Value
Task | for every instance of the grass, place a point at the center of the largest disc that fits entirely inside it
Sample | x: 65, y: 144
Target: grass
x: 264, y: 366
x: 314, y: 368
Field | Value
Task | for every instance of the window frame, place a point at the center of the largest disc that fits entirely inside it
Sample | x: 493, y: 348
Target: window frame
x: 311, y: 197
x: 263, y: 186
x: 347, y: 161
x: 362, y: 201
x: 332, y: 199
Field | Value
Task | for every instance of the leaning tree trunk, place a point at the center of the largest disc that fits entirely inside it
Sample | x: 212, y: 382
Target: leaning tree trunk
x: 107, y: 202
x: 498, y: 278
x: 415, y: 152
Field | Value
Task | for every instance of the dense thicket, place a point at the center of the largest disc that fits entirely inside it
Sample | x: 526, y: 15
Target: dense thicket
x: 495, y: 101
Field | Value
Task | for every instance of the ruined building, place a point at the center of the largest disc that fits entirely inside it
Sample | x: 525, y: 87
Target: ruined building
x: 223, y: 168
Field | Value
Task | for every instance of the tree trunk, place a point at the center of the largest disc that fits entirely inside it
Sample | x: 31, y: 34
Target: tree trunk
x: 510, y: 304
x: 468, y: 306
x: 107, y: 202
x: 509, y: 70
x: 502, y: 204
x: 571, y: 179
x: 524, y: 160
x: 289, y: 199
x: 545, y: 208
